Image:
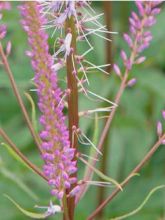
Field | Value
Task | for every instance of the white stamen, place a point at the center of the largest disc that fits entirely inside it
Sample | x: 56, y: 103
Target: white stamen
x: 100, y: 97
x: 67, y: 43
x: 91, y: 111
x: 33, y: 90
x: 93, y: 18
x: 89, y: 50
x: 84, y: 72
x: 91, y: 158
x: 92, y: 31
x: 97, y: 67
x: 99, y: 183
x: 105, y: 38
x: 51, y: 209
x: 93, y: 145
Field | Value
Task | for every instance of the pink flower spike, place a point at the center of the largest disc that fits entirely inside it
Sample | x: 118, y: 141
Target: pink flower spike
x: 155, y: 11
x: 163, y: 114
x: 5, y: 5
x: 123, y: 55
x: 128, y: 40
x: 131, y: 82
x: 139, y: 37
x: 55, y: 143
x: 159, y: 128
x: 117, y: 70
x: 128, y: 64
x: 132, y: 21
x: 140, y: 8
x: 29, y: 53
x: 140, y: 60
x: 135, y: 16
x: 2, y: 31
x: 8, y: 48
x: 149, y: 21
x: 74, y: 191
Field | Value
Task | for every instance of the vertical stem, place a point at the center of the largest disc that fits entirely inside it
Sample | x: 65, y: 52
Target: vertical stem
x: 65, y: 207
x: 107, y: 5
x: 72, y: 103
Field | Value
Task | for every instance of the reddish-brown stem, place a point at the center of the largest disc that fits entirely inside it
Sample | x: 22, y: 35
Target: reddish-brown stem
x: 18, y: 97
x: 135, y: 170
x: 72, y: 103
x: 22, y: 156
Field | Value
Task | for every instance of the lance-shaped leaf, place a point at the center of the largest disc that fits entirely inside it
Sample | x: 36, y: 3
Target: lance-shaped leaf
x: 28, y: 213
x: 6, y: 173
x: 22, y: 159
x: 33, y: 111
x: 141, y: 205
x: 15, y: 155
x: 101, y: 175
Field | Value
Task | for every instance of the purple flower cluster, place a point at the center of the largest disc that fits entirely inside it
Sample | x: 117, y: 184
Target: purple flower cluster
x: 160, y: 127
x: 60, y: 11
x: 3, y: 29
x: 57, y: 154
x: 67, y: 13
x: 86, y: 23
x: 139, y: 37
x: 5, y: 5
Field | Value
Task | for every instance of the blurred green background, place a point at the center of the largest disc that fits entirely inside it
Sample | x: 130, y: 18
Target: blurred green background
x: 133, y: 130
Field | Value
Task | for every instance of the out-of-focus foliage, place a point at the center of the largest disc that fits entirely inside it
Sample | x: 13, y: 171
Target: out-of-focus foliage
x: 132, y: 134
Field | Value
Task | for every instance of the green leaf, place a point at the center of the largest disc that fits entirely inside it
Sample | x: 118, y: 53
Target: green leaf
x: 28, y: 213
x: 34, y: 120
x: 151, y: 79
x: 140, y: 206
x: 19, y: 182
x: 101, y: 175
x: 15, y: 156
x: 13, y: 153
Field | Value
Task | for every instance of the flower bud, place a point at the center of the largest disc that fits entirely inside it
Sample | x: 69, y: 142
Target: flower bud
x: 159, y: 128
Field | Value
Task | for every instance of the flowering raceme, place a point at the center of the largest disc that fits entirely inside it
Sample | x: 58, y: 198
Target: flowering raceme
x: 86, y: 23
x: 3, y: 6
x: 56, y: 151
x: 139, y: 37
x: 73, y: 23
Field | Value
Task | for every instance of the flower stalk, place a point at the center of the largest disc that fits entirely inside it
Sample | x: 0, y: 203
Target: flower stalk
x: 72, y: 101
x: 57, y: 154
x: 72, y: 23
